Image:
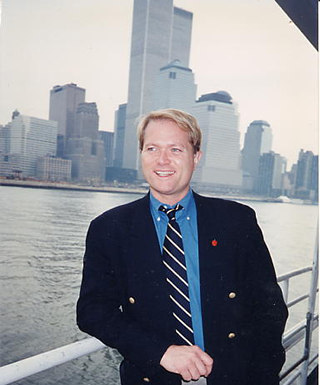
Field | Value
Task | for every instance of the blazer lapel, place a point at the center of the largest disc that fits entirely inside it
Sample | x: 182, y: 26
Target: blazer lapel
x: 146, y: 263
x: 143, y: 238
x: 214, y: 260
x: 210, y: 236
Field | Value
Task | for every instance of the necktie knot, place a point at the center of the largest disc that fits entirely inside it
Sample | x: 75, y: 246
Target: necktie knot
x: 171, y: 212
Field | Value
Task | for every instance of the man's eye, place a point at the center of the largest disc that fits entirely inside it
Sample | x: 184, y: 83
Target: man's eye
x: 175, y: 149
x: 151, y: 149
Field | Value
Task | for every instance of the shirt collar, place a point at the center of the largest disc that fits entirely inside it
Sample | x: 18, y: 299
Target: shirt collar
x: 185, y: 203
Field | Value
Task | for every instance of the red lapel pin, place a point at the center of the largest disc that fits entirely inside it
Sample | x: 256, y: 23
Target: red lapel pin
x: 214, y: 242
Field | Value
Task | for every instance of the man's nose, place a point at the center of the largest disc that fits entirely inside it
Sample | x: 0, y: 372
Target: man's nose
x: 163, y: 157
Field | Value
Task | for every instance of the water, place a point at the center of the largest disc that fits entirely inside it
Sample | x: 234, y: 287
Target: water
x: 42, y: 244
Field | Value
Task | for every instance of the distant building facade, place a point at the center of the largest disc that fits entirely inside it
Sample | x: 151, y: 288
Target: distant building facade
x: 107, y: 138
x: 84, y: 148
x: 174, y: 88
x: 219, y: 167
x: 50, y: 168
x: 87, y: 158
x: 306, y: 181
x: 4, y: 139
x: 86, y: 121
x: 10, y: 166
x: 119, y: 130
x: 271, y: 172
x: 64, y: 101
x: 180, y: 42
x: 160, y: 33
x: 78, y: 140
x: 257, y: 141
x: 29, y: 139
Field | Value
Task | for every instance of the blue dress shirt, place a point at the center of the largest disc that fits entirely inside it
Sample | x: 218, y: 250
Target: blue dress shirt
x: 187, y: 220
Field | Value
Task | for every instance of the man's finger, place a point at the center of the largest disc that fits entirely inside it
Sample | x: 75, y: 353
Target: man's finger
x: 201, y: 368
x: 186, y: 375
x: 207, y: 361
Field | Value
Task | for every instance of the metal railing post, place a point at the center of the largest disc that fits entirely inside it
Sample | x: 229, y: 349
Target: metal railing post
x: 285, y: 290
x: 310, y: 313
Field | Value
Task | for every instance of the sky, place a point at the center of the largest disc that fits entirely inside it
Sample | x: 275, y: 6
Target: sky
x: 249, y: 48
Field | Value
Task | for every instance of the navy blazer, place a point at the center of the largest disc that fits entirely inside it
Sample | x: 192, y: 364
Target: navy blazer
x: 124, y: 300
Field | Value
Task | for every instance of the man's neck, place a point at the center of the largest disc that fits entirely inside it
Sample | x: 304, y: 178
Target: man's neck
x: 169, y: 200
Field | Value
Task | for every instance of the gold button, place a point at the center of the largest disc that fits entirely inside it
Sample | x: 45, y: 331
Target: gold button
x: 132, y: 300
x: 232, y: 295
x: 231, y: 335
x: 146, y: 379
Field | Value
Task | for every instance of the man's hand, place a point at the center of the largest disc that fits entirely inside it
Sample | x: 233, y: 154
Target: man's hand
x: 190, y: 362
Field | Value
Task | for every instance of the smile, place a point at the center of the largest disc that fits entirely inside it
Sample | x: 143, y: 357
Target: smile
x: 164, y: 173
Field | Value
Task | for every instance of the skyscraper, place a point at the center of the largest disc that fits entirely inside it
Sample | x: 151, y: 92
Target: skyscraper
x: 306, y: 183
x: 31, y: 138
x: 86, y: 122
x: 78, y: 125
x: 4, y: 139
x: 64, y: 102
x: 181, y: 36
x: 272, y: 168
x: 119, y: 130
x: 258, y: 140
x: 174, y: 87
x: 84, y: 147
x: 220, y: 164
x: 160, y: 34
x: 108, y: 138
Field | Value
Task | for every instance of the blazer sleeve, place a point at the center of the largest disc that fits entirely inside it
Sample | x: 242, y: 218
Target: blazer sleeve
x: 100, y: 307
x: 269, y: 312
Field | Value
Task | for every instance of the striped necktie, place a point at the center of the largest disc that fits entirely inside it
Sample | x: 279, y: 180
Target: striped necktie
x: 176, y: 272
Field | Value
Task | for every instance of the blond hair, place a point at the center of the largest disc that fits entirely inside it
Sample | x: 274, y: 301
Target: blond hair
x: 185, y: 121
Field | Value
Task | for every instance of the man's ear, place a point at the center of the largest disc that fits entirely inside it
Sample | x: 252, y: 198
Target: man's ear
x: 197, y: 157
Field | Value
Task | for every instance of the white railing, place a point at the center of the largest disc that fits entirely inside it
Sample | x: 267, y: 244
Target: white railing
x: 284, y: 280
x: 35, y: 364
x: 303, y: 330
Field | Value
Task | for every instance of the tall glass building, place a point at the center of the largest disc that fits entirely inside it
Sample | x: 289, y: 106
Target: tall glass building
x: 219, y: 167
x: 30, y: 139
x: 119, y: 130
x: 306, y: 183
x: 64, y: 101
x: 257, y: 141
x: 84, y: 147
x: 174, y: 87
x: 272, y: 168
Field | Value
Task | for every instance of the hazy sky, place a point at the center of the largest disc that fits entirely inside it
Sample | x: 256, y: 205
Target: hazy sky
x: 249, y: 48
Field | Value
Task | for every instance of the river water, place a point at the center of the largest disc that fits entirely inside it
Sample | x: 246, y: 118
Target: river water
x: 42, y: 243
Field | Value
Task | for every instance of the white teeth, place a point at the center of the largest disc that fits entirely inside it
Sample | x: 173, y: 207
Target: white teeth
x: 164, y: 173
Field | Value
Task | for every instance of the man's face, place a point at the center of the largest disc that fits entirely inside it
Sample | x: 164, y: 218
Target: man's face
x: 168, y: 160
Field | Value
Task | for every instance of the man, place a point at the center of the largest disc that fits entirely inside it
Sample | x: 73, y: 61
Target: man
x: 182, y: 285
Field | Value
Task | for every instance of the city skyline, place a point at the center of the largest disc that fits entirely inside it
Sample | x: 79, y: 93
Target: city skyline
x: 272, y: 76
